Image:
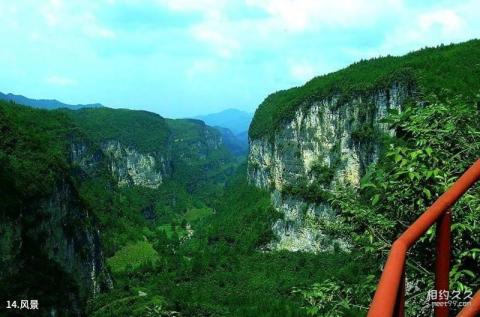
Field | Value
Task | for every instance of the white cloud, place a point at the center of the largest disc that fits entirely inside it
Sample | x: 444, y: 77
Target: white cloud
x: 72, y: 17
x: 211, y: 33
x: 227, y: 36
x: 300, y: 15
x: 92, y: 28
x: 57, y: 80
x: 302, y: 71
x: 448, y: 20
x: 52, y: 12
x: 210, y: 8
x: 201, y: 67
x: 415, y: 28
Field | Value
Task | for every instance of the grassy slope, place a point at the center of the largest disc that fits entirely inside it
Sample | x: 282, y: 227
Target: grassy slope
x: 456, y: 67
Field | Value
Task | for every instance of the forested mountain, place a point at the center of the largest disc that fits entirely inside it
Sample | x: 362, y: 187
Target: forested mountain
x: 353, y: 157
x: 44, y: 103
x: 115, y: 212
x: 78, y: 186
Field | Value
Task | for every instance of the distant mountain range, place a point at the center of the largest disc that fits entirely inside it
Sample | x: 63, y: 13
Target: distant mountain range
x: 233, y: 124
x: 44, y: 103
x: 235, y: 120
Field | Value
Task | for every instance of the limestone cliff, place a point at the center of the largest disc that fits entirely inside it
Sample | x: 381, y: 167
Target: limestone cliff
x: 52, y: 248
x: 130, y: 167
x: 191, y: 145
x: 62, y: 177
x: 326, y: 144
x: 72, y: 239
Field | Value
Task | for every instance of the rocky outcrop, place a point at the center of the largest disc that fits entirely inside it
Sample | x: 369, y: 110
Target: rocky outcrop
x: 86, y: 156
x: 127, y: 166
x: 190, y: 148
x: 130, y: 167
x: 298, y: 229
x: 328, y: 143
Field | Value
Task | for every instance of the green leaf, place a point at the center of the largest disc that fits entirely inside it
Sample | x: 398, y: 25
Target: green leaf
x: 427, y: 193
x: 366, y: 185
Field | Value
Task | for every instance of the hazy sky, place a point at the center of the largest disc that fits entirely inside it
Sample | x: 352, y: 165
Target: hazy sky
x: 187, y: 57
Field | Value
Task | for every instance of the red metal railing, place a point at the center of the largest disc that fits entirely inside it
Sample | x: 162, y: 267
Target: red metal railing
x: 389, y: 299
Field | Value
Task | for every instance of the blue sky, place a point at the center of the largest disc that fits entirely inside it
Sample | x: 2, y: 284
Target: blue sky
x: 182, y: 58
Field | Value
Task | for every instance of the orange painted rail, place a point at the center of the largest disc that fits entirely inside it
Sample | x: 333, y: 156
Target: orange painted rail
x: 389, y: 299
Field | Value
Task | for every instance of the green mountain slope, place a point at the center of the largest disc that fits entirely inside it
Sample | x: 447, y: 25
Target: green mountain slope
x: 49, y: 244
x: 63, y: 201
x: 456, y: 67
x: 144, y: 130
x: 223, y: 270
x: 361, y: 153
x: 113, y: 212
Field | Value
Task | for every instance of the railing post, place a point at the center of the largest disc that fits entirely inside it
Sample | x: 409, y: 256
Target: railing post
x: 399, y: 310
x: 442, y: 263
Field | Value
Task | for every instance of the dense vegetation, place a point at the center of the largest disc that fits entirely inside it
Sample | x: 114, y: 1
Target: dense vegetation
x: 198, y: 245
x: 435, y: 144
x: 32, y: 161
x: 222, y: 271
x: 35, y: 158
x: 429, y: 70
x: 189, y: 246
x: 151, y: 131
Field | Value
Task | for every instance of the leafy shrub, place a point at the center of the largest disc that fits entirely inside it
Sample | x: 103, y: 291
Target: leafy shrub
x: 437, y: 143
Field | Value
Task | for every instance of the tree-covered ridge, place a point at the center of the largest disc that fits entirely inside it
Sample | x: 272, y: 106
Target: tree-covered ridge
x: 36, y: 158
x: 34, y: 168
x: 32, y: 149
x: 455, y: 66
x: 202, y: 162
x: 190, y: 245
x: 143, y: 130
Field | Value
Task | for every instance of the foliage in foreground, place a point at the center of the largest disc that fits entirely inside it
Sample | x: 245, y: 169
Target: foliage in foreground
x: 437, y: 143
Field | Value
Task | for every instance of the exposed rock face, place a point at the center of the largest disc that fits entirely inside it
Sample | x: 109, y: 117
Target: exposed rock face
x: 72, y: 240
x: 86, y: 156
x: 54, y: 240
x: 327, y: 143
x: 130, y: 167
x: 127, y: 165
x: 297, y: 230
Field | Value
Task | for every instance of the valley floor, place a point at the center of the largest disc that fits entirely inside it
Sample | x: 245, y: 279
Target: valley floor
x: 221, y: 269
